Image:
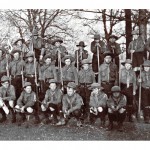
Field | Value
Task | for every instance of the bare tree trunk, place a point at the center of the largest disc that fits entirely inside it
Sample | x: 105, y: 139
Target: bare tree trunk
x: 143, y: 23
x: 128, y: 28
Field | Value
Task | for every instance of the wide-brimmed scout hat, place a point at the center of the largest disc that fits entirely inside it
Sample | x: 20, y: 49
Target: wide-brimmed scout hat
x: 146, y: 63
x: 97, y: 36
x: 72, y: 85
x: 115, y: 89
x: 49, y: 56
x: 29, y: 54
x: 4, y: 79
x: 57, y: 40
x: 52, y: 81
x: 27, y: 84
x: 113, y: 36
x: 128, y: 61
x: 108, y: 53
x: 68, y: 57
x: 81, y: 43
x: 85, y: 61
x: 96, y: 85
x: 15, y: 51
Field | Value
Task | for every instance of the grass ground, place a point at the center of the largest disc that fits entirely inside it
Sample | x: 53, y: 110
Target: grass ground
x: 132, y: 131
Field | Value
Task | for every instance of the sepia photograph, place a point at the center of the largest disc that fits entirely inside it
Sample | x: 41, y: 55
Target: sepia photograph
x: 75, y: 74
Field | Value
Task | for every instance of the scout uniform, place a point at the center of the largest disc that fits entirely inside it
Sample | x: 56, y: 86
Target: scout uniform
x: 116, y: 108
x: 97, y: 104
x: 16, y: 70
x: 52, y: 102
x: 3, y: 62
x: 37, y: 44
x: 86, y: 78
x: 80, y: 54
x: 8, y: 98
x: 147, y: 50
x: 29, y: 71
x: 128, y: 87
x: 138, y: 56
x: 28, y: 102
x: 100, y: 45
x: 114, y: 48
x: 69, y: 72
x: 48, y: 49
x: 47, y: 72
x: 72, y: 105
x: 145, y: 95
x: 108, y: 74
x: 59, y: 52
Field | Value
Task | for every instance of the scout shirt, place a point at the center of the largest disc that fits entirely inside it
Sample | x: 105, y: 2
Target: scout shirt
x: 121, y: 102
x: 9, y: 92
x: 86, y: 76
x: 98, y: 100
x: 70, y: 73
x: 71, y: 103
x: 16, y: 67
x: 128, y: 77
x: 53, y: 97
x: 47, y: 72
x: 108, y: 73
x: 26, y: 99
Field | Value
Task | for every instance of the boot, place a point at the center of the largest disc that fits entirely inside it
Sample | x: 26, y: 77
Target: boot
x: 22, y: 119
x: 3, y: 119
x: 102, y: 124
x: 147, y: 119
x: 46, y: 118
x: 79, y: 123
x: 110, y: 127
x: 120, y: 127
x: 55, y: 120
x: 37, y: 119
x: 13, y: 120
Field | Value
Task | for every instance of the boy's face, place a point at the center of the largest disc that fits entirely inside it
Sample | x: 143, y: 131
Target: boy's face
x: 57, y: 44
x: 112, y: 40
x: 128, y: 66
x: 107, y: 59
x: 116, y: 94
x: 80, y: 48
x: 67, y: 62
x: 30, y: 59
x: 85, y: 66
x: 16, y: 56
x: 5, y: 84
x: 48, y: 61
x: 28, y: 89
x: 52, y: 86
x: 95, y: 90
x: 146, y: 69
x: 70, y: 91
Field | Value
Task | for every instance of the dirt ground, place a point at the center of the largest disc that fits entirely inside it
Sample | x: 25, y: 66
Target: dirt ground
x: 70, y: 132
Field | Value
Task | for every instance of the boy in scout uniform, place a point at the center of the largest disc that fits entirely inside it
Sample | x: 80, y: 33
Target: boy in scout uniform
x: 145, y: 95
x: 97, y: 46
x: 69, y: 72
x: 47, y: 72
x: 128, y: 87
x: 116, y: 108
x: 71, y: 105
x: 86, y: 77
x: 108, y: 73
x: 29, y: 70
x: 98, y: 100
x: 3, y: 62
x: 26, y: 104
x: 8, y: 97
x: 80, y: 54
x: 16, y: 69
x: 52, y: 102
x: 59, y: 51
x: 114, y: 48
